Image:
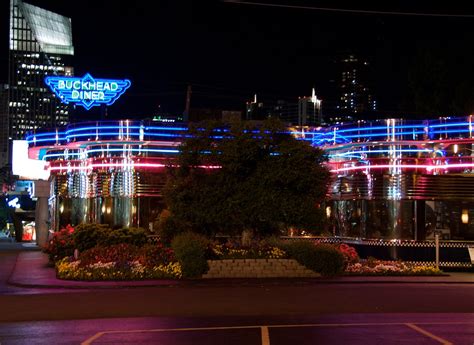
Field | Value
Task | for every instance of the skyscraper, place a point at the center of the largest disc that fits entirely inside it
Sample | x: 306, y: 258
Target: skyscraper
x: 3, y: 126
x: 309, y: 111
x: 40, y: 45
x: 354, y: 84
x: 306, y: 111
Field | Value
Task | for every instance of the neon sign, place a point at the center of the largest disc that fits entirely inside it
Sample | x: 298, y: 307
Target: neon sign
x: 14, y: 203
x: 87, y: 91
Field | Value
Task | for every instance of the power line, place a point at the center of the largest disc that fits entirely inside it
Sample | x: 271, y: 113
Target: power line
x: 346, y: 10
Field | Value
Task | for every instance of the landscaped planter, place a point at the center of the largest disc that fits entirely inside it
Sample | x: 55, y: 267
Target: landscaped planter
x: 391, y: 268
x: 102, y: 271
x: 257, y: 268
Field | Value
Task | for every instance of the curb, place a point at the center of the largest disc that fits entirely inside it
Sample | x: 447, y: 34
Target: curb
x: 227, y: 282
x: 77, y: 287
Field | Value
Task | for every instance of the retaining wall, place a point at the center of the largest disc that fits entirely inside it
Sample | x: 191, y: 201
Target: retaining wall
x: 257, y: 268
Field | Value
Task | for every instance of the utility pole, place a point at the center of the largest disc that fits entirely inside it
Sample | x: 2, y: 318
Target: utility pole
x: 188, y: 103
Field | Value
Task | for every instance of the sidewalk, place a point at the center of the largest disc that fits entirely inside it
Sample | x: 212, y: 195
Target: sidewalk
x: 31, y: 271
x: 17, y: 246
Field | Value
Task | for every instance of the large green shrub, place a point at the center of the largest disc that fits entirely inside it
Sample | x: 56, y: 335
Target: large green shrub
x: 273, y: 241
x: 190, y: 250
x: 87, y: 236
x: 321, y: 258
x: 134, y: 236
x: 169, y: 226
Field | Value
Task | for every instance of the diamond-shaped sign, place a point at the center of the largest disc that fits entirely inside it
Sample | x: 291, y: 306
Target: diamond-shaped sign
x: 87, y: 91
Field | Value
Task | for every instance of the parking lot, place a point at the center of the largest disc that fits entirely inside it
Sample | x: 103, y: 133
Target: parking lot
x: 331, y: 333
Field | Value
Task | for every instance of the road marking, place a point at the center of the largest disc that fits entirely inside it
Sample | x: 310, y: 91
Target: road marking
x: 261, y: 327
x: 99, y: 334
x: 94, y: 337
x: 265, y: 336
x: 369, y: 324
x: 428, y: 334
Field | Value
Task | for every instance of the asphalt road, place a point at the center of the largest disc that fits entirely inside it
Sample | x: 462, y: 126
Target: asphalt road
x: 287, y: 298
x: 253, y: 312
x: 363, y: 329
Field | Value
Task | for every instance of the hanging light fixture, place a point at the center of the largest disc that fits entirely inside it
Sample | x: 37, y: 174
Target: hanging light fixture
x: 465, y: 216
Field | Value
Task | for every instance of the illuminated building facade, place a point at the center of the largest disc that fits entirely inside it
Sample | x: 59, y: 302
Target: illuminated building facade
x: 40, y: 45
x: 392, y: 179
x: 306, y: 111
x: 107, y: 172
x: 355, y: 94
x: 398, y: 179
x: 3, y: 126
x: 309, y: 111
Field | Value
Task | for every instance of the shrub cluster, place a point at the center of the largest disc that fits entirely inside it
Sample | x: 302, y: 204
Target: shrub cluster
x: 373, y: 266
x: 61, y: 244
x: 168, y: 227
x: 87, y: 236
x: 103, y: 250
x: 322, y: 258
x: 134, y: 236
x: 120, y: 254
x: 256, y: 250
x: 349, y: 253
x: 119, y: 262
x: 191, y: 251
x: 149, y: 255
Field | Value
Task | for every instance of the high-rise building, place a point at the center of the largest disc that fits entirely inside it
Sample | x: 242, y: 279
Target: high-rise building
x: 305, y: 112
x: 40, y: 45
x: 309, y: 111
x: 283, y: 110
x: 3, y: 126
x: 354, y: 86
x: 255, y: 110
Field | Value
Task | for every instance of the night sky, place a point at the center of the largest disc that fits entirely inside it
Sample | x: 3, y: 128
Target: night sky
x: 230, y: 51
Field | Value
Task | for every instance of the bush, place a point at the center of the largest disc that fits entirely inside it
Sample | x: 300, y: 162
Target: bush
x: 118, y: 253
x: 273, y: 241
x: 87, y: 236
x: 151, y: 255
x: 135, y: 236
x: 255, y: 250
x: 190, y: 251
x: 169, y: 227
x: 61, y: 244
x: 321, y: 258
x: 349, y: 253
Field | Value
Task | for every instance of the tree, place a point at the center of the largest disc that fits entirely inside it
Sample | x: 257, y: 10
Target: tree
x: 440, y: 80
x: 246, y: 177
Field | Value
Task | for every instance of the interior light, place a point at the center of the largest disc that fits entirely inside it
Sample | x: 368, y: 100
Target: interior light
x: 328, y: 211
x: 465, y: 216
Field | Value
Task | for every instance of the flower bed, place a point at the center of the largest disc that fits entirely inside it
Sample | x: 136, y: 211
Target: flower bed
x: 258, y: 251
x: 129, y: 270
x: 390, y: 268
x: 120, y: 262
x: 124, y: 254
